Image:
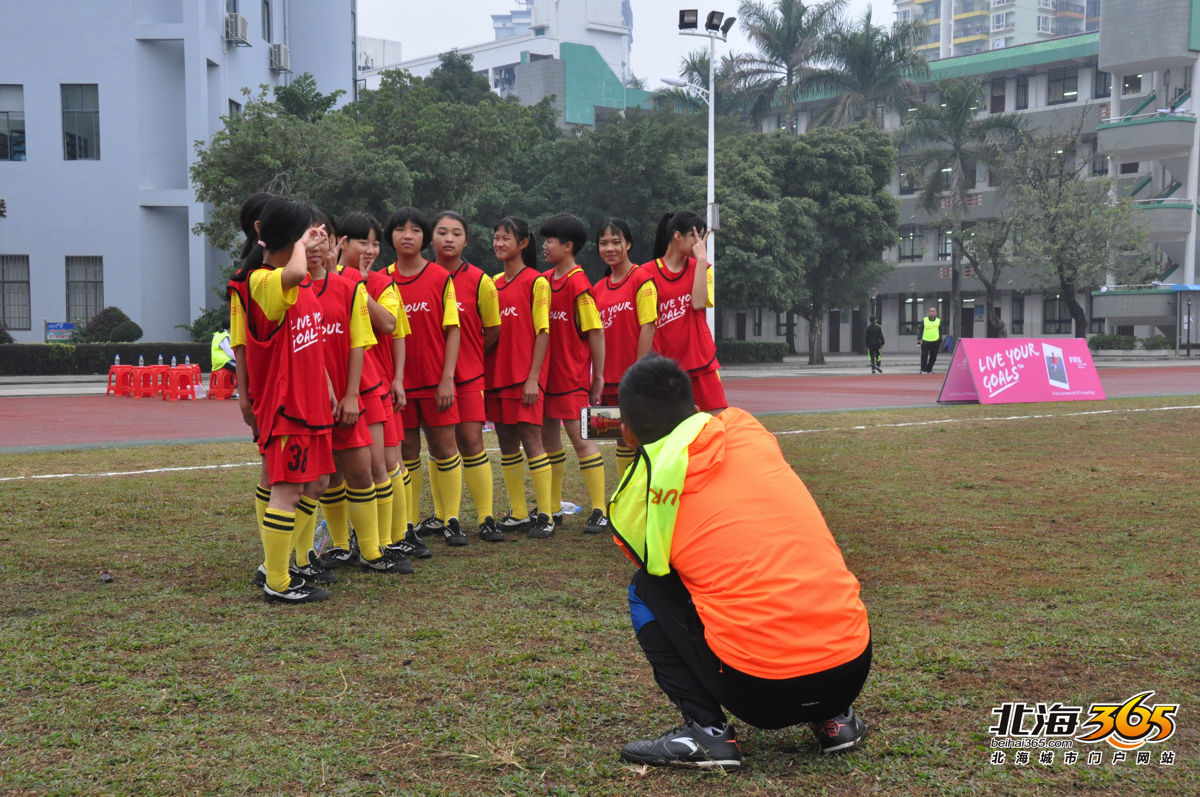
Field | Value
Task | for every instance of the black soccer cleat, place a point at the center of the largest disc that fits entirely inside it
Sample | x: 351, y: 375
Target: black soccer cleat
x: 597, y: 523
x: 298, y: 591
x: 489, y: 531
x: 688, y: 745
x: 542, y: 527
x: 840, y: 734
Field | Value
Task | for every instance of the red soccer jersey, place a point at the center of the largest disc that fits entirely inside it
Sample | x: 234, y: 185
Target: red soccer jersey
x: 682, y: 333
x: 569, y: 355
x: 507, y: 364
x: 377, y: 360
x: 618, y: 307
x: 336, y: 296
x: 426, y: 295
x: 285, y: 360
x: 468, y: 280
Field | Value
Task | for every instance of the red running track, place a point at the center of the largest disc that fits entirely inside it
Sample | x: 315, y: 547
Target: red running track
x: 62, y: 422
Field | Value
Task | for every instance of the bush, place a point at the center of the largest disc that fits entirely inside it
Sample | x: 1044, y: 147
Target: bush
x: 43, y: 359
x: 208, y: 322
x: 4, y: 336
x: 108, y: 325
x: 1157, y: 343
x: 1110, y: 342
x: 751, y: 351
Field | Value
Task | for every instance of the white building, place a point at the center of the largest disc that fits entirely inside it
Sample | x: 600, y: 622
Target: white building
x: 96, y: 137
x: 964, y: 27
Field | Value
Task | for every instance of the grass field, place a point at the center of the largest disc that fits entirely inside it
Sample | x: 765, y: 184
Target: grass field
x: 1032, y: 553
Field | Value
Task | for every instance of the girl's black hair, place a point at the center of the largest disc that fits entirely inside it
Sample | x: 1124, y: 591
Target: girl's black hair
x: 251, y: 210
x: 403, y: 216
x: 450, y: 214
x: 519, y: 228
x: 281, y: 223
x: 358, y: 225
x: 614, y: 224
x: 566, y: 228
x: 681, y: 221
x: 320, y: 216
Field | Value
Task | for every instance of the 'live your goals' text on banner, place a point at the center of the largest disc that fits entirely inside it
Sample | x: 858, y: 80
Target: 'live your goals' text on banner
x: 1016, y: 370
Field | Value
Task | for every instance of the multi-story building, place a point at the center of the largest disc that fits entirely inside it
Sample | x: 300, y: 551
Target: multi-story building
x: 965, y: 27
x: 97, y: 139
x: 575, y: 53
x: 1131, y: 85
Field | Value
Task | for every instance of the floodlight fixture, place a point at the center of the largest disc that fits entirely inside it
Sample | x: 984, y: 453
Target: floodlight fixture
x: 727, y: 25
x: 674, y: 81
x: 713, y: 22
x: 688, y: 18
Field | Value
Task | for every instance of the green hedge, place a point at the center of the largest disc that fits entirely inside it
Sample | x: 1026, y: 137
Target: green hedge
x: 750, y: 351
x: 1105, y: 342
x: 48, y: 359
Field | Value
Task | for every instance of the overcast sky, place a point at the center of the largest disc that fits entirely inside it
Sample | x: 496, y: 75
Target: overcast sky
x: 426, y: 28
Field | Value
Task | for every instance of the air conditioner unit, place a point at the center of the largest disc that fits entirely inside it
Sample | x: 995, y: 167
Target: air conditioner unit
x: 235, y: 30
x: 281, y: 61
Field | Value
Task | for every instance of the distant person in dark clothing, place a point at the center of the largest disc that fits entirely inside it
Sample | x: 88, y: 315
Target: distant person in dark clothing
x: 929, y: 336
x: 874, y: 344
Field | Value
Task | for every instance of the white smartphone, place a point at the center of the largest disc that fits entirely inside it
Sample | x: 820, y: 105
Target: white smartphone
x: 600, y: 423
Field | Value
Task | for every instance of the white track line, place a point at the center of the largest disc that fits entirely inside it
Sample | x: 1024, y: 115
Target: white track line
x: 861, y: 428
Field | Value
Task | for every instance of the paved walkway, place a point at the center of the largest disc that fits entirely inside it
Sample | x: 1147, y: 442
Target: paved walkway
x: 57, y: 413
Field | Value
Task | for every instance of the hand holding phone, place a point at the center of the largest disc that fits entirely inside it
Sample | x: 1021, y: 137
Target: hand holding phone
x: 600, y: 423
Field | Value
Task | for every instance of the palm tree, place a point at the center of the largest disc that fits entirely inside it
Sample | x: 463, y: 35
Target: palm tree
x: 732, y: 96
x: 788, y: 36
x: 869, y: 70
x: 945, y: 142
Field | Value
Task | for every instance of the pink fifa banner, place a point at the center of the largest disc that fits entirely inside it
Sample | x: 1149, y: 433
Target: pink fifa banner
x: 1019, y: 370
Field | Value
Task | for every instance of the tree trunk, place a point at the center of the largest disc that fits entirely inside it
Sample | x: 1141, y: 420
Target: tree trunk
x: 956, y: 280
x: 1078, y: 315
x: 719, y: 320
x: 816, y: 318
x: 791, y: 332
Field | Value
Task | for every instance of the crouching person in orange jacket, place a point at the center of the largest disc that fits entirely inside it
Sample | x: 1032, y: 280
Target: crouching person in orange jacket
x: 762, y: 619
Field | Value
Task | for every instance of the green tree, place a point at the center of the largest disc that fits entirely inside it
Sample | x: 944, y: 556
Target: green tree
x: 455, y: 79
x: 787, y: 35
x: 1071, y: 230
x: 301, y: 99
x: 869, y: 70
x: 987, y: 248
x: 946, y: 141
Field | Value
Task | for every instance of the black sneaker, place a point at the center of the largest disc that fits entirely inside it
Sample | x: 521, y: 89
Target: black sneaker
x: 454, y: 534
x: 298, y: 591
x: 336, y: 557
x: 510, y: 523
x: 260, y: 575
x: 840, y: 734
x: 489, y: 531
x: 400, y: 558
x: 431, y: 525
x: 542, y: 527
x: 413, y: 540
x: 384, y: 564
x: 597, y: 523
x: 558, y: 520
x: 314, y: 572
x: 689, y: 745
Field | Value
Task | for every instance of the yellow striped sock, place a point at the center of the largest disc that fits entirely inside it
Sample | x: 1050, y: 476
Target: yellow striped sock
x: 276, y: 532
x: 333, y: 507
x: 592, y: 470
x: 477, y: 473
x: 262, y: 495
x: 435, y: 489
x: 306, y: 526
x: 399, y: 505
x: 411, y: 505
x: 558, y: 469
x: 364, y: 514
x: 383, y: 516
x: 542, y: 478
x: 413, y: 466
x: 513, y: 468
x: 624, y: 458
x: 448, y: 472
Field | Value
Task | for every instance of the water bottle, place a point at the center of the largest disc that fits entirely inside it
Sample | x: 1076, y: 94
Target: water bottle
x: 321, y: 537
x: 570, y: 509
x: 187, y: 360
x: 117, y: 360
x: 172, y: 360
x: 141, y: 361
x: 160, y: 359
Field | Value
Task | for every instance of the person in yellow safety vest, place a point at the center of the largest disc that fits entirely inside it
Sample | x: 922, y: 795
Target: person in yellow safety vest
x: 770, y: 628
x: 929, y: 337
x: 222, y: 352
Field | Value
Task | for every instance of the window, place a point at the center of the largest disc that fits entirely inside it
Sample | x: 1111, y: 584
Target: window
x: 904, y: 15
x: 1000, y: 44
x: 998, y: 90
x: 1130, y: 167
x: 1021, y: 100
x: 1045, y: 24
x: 231, y: 6
x: 12, y: 123
x: 945, y: 244
x: 1016, y: 324
x: 1046, y: 4
x: 910, y: 180
x: 1002, y: 21
x: 1056, y: 318
x: 81, y: 121
x: 266, y: 19
x: 14, y: 291
x: 85, y: 287
x: 1099, y: 160
x: 1062, y: 85
x: 1131, y: 84
x: 781, y: 324
x: 1103, y: 84
x: 235, y: 108
x: 912, y: 243
x: 910, y: 313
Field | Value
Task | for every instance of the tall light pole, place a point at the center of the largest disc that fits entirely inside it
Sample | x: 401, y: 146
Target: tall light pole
x: 715, y: 26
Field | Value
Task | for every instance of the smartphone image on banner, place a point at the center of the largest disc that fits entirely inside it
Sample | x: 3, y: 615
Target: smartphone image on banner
x: 600, y: 423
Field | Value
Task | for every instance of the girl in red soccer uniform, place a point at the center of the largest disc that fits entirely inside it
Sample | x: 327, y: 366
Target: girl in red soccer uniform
x: 628, y: 305
x: 286, y: 368
x: 684, y: 292
x: 432, y: 308
x: 576, y: 355
x: 515, y: 369
x: 479, y: 327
